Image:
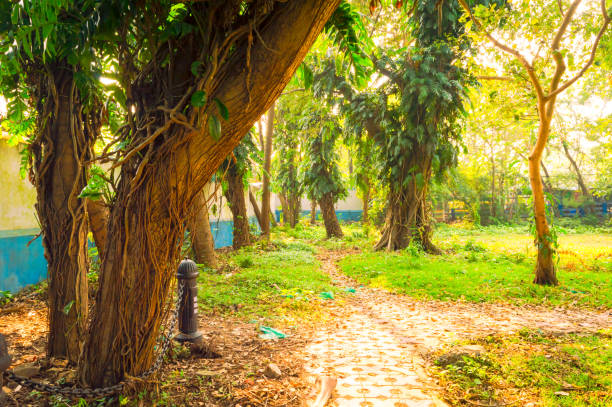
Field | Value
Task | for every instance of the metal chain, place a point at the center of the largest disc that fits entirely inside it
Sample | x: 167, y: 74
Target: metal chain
x: 110, y: 390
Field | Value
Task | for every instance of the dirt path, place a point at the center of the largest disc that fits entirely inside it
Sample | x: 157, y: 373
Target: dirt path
x: 376, y: 343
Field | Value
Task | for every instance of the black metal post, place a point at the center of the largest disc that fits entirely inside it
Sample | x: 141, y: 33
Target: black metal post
x: 5, y: 362
x: 187, y: 276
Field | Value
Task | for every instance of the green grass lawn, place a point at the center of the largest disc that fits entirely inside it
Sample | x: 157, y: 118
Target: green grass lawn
x: 280, y: 282
x: 492, y: 266
x: 553, y: 371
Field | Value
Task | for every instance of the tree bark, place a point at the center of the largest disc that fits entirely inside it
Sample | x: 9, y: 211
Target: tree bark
x: 291, y: 208
x: 202, y: 242
x: 332, y: 226
x: 545, y: 273
x: 408, y: 215
x: 313, y: 212
x: 237, y: 203
x: 284, y: 206
x: 147, y: 220
x: 265, y: 196
x: 255, y: 206
x: 493, y: 197
x: 365, y: 218
x: 59, y: 175
x: 98, y: 213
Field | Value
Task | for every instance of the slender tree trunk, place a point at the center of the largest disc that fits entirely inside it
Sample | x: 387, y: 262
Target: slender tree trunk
x: 332, y: 226
x: 502, y: 190
x: 545, y: 267
x: 265, y: 197
x: 237, y: 203
x: 291, y: 208
x: 272, y: 218
x: 202, y: 241
x: 284, y: 206
x: 255, y: 206
x: 313, y: 212
x: 493, y: 197
x: 365, y: 218
x: 581, y: 184
x: 146, y: 226
x: 98, y: 214
x: 295, y: 208
x: 59, y: 175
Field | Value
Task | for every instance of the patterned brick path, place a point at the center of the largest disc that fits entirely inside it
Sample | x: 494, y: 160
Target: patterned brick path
x: 375, y: 343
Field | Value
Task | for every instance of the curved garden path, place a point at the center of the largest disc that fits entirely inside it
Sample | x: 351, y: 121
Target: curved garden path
x: 376, y: 342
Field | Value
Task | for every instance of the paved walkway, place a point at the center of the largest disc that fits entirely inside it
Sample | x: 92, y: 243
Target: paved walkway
x: 375, y: 343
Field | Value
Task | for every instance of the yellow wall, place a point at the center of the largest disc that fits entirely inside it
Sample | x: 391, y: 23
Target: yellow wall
x: 17, y: 196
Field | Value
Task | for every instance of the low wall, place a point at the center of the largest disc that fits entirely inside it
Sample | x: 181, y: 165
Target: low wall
x: 346, y: 215
x: 20, y: 264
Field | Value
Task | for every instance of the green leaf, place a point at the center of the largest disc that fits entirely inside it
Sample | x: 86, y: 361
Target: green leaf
x: 67, y: 307
x: 222, y: 109
x: 195, y: 68
x: 198, y: 99
x: 214, y: 127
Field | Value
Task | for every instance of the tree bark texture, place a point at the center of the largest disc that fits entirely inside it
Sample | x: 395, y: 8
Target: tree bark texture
x: 332, y: 226
x: 98, y: 213
x: 202, y: 241
x: 408, y: 214
x: 545, y: 273
x: 237, y: 203
x: 158, y: 186
x: 59, y: 175
x: 265, y: 196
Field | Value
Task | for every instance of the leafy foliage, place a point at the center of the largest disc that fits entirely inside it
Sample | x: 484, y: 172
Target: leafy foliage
x: 320, y: 168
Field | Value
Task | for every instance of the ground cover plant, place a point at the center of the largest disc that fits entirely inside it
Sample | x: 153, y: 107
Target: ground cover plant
x: 532, y: 367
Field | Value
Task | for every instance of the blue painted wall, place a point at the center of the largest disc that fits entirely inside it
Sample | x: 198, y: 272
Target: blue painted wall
x: 21, y: 265
x: 223, y: 231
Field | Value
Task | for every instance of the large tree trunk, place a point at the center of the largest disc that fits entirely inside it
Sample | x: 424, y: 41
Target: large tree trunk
x: 408, y: 214
x: 202, y: 241
x: 237, y: 203
x: 265, y: 196
x: 98, y: 214
x: 59, y: 174
x: 545, y: 267
x: 332, y: 226
x: 146, y: 224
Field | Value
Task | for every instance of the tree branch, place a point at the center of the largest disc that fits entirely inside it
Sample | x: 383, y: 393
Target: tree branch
x: 532, y: 76
x: 588, y: 64
x: 558, y: 57
x: 386, y: 72
x: 495, y: 78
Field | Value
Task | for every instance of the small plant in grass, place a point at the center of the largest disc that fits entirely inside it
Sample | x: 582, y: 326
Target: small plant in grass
x: 5, y: 297
x: 245, y: 262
